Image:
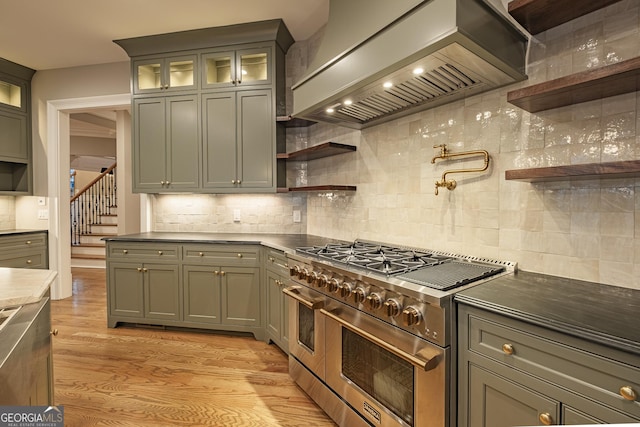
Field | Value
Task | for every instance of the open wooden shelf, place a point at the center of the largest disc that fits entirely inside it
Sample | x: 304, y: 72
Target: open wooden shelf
x: 610, y: 80
x: 317, y: 151
x: 540, y: 15
x: 621, y: 169
x: 294, y: 122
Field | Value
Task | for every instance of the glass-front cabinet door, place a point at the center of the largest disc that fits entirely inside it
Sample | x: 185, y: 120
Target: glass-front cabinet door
x: 12, y: 94
x: 164, y: 74
x: 236, y: 68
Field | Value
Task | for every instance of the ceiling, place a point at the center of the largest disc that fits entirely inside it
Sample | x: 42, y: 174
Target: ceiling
x: 46, y: 34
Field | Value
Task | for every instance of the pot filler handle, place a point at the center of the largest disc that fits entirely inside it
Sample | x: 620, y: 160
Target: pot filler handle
x: 295, y: 294
x: 427, y: 358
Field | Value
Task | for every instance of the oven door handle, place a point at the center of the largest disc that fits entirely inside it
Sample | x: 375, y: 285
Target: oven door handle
x: 295, y: 294
x: 426, y: 358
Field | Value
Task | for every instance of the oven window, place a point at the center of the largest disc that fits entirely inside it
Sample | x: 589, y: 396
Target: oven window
x: 383, y: 375
x: 306, y: 326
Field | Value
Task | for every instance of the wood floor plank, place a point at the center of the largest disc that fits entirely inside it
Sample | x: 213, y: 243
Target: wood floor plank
x: 134, y: 376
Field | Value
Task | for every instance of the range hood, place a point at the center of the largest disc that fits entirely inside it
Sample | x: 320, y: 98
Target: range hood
x: 430, y: 52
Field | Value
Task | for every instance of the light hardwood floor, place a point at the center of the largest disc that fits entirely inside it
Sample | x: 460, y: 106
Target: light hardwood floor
x: 131, y: 376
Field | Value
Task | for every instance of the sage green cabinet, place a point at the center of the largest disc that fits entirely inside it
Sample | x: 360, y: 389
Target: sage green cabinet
x: 223, y: 295
x: 208, y: 286
x: 167, y: 140
x: 24, y: 250
x: 165, y: 74
x: 237, y: 73
x: 15, y: 128
x: 238, y: 141
x: 276, y: 278
x: 514, y: 373
x: 201, y: 294
x: 144, y: 290
x: 236, y: 68
x: 241, y: 296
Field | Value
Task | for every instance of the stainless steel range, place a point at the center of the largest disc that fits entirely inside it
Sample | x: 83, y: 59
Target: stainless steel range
x: 372, y: 330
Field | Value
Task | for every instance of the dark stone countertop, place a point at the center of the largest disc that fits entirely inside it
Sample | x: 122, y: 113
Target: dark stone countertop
x: 600, y: 313
x: 283, y: 242
x: 18, y: 231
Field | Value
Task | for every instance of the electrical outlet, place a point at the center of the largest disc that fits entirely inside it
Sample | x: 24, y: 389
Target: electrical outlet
x: 236, y: 215
x: 296, y: 216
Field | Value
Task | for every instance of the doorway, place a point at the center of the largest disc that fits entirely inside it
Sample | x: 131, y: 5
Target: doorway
x: 58, y: 165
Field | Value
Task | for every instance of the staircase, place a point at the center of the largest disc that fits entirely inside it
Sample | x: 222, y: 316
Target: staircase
x: 93, y: 216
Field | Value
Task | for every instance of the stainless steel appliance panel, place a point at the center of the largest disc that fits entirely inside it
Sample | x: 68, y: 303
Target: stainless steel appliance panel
x: 307, y: 328
x: 391, y: 377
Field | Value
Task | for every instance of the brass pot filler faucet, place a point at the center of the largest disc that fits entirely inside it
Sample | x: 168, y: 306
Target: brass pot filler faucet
x: 450, y: 184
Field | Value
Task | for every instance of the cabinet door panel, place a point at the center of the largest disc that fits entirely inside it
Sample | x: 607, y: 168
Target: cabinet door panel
x: 150, y: 155
x: 184, y: 140
x: 162, y: 292
x: 274, y: 309
x: 590, y: 412
x: 201, y: 294
x: 126, y: 292
x: 256, y: 148
x: 497, y: 402
x: 13, y: 137
x: 219, y: 129
x: 241, y: 296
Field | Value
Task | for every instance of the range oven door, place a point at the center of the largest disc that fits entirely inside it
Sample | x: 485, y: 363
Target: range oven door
x: 391, y: 377
x: 307, y: 328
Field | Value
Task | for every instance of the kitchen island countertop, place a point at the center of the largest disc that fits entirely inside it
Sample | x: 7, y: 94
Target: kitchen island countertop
x: 19, y: 286
x: 600, y: 313
x: 283, y: 242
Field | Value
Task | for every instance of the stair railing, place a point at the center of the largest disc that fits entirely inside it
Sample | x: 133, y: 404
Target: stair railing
x: 97, y: 198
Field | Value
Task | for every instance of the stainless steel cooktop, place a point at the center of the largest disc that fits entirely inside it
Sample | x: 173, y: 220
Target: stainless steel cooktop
x: 426, y: 268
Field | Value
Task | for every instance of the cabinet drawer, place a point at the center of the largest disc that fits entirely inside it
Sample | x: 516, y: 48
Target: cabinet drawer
x: 276, y: 261
x: 242, y: 255
x: 19, y: 242
x: 23, y: 259
x: 589, y: 369
x: 138, y: 251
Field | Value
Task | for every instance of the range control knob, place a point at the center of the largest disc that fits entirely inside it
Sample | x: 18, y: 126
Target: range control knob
x: 374, y: 301
x: 359, y: 294
x: 345, y: 289
x: 294, y: 270
x: 322, y: 281
x: 303, y: 274
x: 411, y: 316
x: 333, y: 285
x: 312, y: 277
x: 392, y: 307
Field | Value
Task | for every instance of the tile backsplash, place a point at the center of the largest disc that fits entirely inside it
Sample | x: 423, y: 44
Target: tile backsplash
x: 581, y: 229
x: 586, y: 230
x: 7, y: 213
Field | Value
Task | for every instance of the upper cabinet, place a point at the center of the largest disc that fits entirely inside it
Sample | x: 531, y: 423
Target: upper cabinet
x: 165, y: 74
x: 241, y: 68
x: 205, y: 107
x: 15, y: 128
